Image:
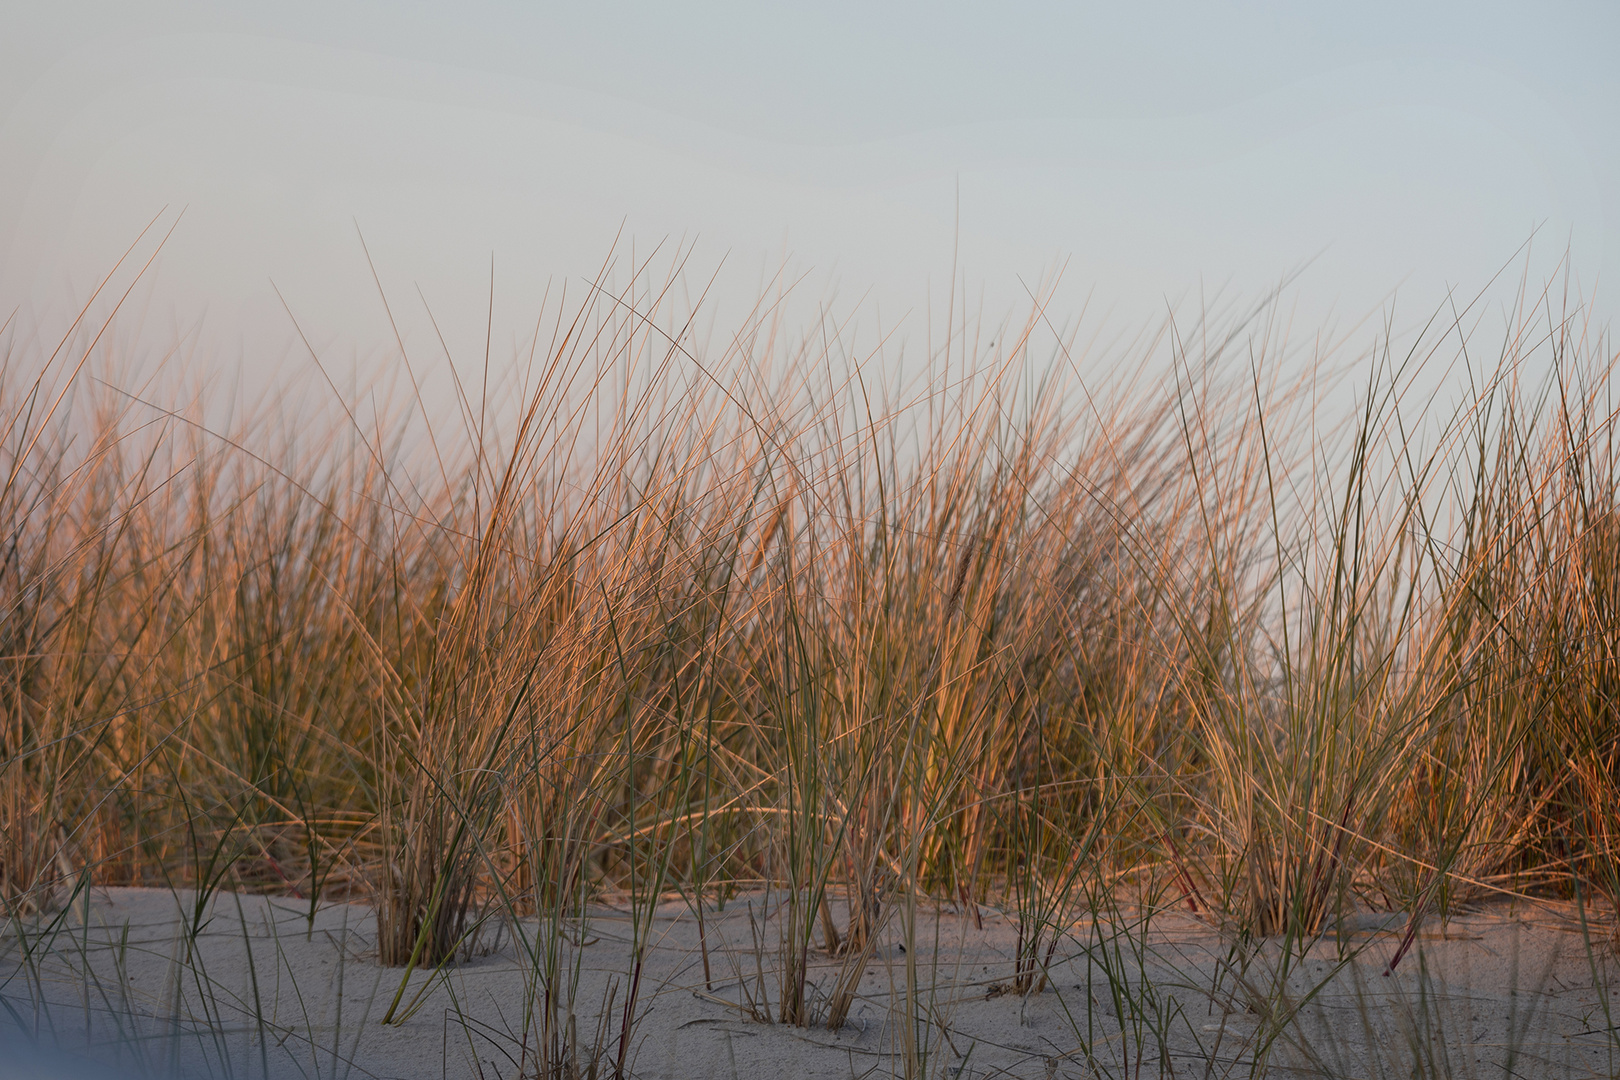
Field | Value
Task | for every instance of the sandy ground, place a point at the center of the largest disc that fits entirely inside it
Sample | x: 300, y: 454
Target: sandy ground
x: 262, y: 990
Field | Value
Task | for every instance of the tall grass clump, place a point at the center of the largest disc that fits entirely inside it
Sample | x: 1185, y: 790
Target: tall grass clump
x: 842, y: 625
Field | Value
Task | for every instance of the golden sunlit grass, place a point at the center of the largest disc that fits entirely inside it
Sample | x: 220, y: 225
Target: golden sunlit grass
x: 652, y: 618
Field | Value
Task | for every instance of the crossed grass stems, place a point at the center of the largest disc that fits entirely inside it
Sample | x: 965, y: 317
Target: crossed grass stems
x: 653, y: 618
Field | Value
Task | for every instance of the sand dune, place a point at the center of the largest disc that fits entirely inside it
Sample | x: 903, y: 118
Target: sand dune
x: 263, y: 988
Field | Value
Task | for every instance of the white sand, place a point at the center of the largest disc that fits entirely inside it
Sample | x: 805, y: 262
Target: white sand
x: 1498, y: 987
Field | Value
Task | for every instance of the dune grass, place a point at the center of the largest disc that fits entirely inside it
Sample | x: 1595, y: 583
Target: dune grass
x: 983, y: 621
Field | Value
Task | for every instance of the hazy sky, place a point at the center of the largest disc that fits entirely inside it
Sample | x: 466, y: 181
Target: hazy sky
x: 1158, y: 148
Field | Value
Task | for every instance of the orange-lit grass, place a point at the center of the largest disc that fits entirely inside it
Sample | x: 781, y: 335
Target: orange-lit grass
x: 782, y: 617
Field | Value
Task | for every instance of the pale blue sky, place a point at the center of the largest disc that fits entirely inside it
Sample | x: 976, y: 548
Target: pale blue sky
x: 1158, y: 148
